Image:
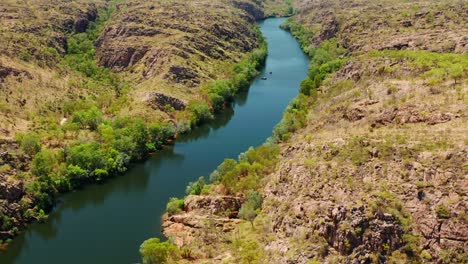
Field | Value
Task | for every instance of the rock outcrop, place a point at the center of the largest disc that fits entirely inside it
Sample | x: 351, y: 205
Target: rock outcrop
x: 161, y: 101
x: 202, y: 218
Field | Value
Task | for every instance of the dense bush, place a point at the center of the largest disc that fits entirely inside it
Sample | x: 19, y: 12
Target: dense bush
x: 44, y: 162
x: 29, y: 143
x: 245, y: 174
x: 174, y: 205
x: 81, y: 53
x: 153, y: 251
x: 195, y: 188
x: 299, y: 32
x: 325, y: 59
x: 434, y: 67
x: 90, y: 118
x: 200, y: 112
x: 294, y: 117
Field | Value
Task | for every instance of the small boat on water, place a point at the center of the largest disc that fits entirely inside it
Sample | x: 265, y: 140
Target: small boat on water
x: 264, y: 78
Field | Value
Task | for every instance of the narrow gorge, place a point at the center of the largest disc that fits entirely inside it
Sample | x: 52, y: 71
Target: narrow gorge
x: 233, y: 131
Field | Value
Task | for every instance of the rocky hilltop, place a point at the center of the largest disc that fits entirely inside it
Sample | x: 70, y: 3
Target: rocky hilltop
x: 372, y: 154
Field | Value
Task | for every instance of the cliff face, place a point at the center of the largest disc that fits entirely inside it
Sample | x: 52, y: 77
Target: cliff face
x: 176, y: 41
x: 378, y: 172
x: 374, y: 173
x: 363, y: 25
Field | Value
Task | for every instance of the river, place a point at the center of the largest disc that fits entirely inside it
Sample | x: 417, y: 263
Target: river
x: 106, y: 223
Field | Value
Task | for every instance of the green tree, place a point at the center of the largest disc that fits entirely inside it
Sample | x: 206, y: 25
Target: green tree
x: 306, y: 86
x: 195, y: 188
x: 30, y: 144
x: 225, y: 167
x: 255, y: 199
x: 153, y: 251
x: 90, y: 118
x: 247, y: 212
x: 43, y: 163
x: 174, y: 205
x: 200, y: 112
x: 456, y: 72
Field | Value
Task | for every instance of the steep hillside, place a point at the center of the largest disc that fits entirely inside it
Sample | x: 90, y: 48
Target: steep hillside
x: 87, y: 87
x: 372, y: 154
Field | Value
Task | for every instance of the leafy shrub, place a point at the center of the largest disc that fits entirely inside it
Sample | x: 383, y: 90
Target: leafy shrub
x: 200, y: 112
x: 153, y: 251
x: 442, y: 211
x: 174, y: 205
x: 90, y: 118
x: 294, y: 118
x: 255, y: 199
x: 29, y: 143
x: 247, y: 212
x: 43, y: 192
x: 387, y: 202
x: 223, y: 168
x: 75, y: 172
x: 246, y: 174
x: 248, y: 251
x: 43, y: 163
x: 195, y: 188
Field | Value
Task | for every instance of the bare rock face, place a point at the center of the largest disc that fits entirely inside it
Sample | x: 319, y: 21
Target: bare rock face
x: 82, y: 23
x: 160, y: 101
x: 11, y: 191
x: 120, y: 59
x: 411, y: 113
x: 216, y: 205
x: 329, y: 29
x: 202, y: 219
x: 177, y: 41
x: 253, y: 8
x: 352, y: 232
x: 354, y: 114
x: 6, y: 71
x: 183, y: 74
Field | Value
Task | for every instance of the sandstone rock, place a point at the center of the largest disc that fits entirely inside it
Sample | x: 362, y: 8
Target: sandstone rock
x: 160, y: 101
x: 11, y: 191
x: 354, y: 114
x: 253, y: 9
x: 214, y: 205
x: 182, y: 74
x: 6, y: 71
